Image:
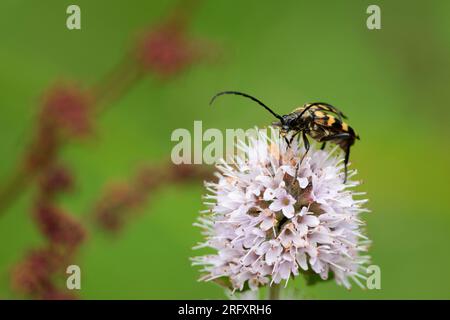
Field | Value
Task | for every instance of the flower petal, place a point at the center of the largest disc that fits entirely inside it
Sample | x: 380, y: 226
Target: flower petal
x: 303, y: 182
x: 301, y: 260
x: 288, y: 211
x: 276, y: 206
x: 310, y: 220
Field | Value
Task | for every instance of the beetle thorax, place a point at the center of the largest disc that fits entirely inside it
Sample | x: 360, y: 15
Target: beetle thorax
x: 293, y: 121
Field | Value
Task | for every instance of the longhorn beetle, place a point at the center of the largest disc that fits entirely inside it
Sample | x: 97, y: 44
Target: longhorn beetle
x: 321, y: 121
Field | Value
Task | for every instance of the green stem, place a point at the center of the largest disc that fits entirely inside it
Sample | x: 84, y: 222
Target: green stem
x: 274, y: 292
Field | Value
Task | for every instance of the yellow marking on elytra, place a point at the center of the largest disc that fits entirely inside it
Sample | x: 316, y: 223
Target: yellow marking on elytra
x: 319, y: 114
x: 323, y: 106
x: 344, y: 126
x: 330, y: 121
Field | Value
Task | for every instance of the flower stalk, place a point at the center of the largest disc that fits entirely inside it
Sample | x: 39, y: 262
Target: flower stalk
x: 274, y: 292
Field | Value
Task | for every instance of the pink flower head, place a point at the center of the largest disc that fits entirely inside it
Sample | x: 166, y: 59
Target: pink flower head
x: 272, y: 216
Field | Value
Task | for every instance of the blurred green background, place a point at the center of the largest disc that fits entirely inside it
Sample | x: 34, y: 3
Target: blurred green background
x: 393, y: 84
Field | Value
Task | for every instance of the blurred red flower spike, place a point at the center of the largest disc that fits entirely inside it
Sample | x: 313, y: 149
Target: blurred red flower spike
x: 168, y: 49
x: 56, y: 179
x: 165, y: 51
x: 68, y: 109
x: 59, y: 227
x: 65, y: 112
x: 32, y: 276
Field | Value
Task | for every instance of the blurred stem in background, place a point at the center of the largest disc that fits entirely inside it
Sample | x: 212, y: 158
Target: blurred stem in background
x: 121, y: 201
x: 67, y: 113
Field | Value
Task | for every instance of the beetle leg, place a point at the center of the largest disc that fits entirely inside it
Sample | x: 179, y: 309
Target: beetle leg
x: 347, y: 156
x: 287, y: 142
x: 306, y: 142
x: 345, y: 136
x: 346, y: 148
x: 323, y: 146
x: 293, y: 136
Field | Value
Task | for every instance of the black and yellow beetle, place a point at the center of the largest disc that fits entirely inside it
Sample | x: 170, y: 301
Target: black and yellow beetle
x: 321, y: 121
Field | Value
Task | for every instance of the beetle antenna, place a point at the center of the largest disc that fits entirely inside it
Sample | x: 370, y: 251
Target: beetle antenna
x: 251, y: 98
x: 306, y: 109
